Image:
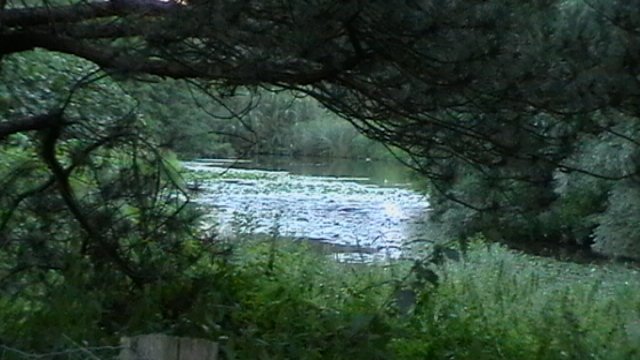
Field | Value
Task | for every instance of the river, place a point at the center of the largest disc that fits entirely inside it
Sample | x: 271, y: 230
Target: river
x: 361, y: 209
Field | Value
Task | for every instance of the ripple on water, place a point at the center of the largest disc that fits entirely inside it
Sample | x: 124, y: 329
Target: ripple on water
x: 341, y: 211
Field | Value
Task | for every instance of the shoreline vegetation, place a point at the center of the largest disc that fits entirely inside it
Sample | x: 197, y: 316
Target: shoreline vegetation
x: 269, y: 297
x: 205, y: 170
x: 273, y: 298
x: 494, y: 303
x: 286, y: 300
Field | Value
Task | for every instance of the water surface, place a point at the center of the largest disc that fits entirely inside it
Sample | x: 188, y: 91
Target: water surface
x: 350, y: 204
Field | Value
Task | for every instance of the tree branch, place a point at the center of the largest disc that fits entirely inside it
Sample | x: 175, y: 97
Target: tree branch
x: 48, y: 154
x: 38, y: 122
x: 264, y: 72
x: 29, y: 17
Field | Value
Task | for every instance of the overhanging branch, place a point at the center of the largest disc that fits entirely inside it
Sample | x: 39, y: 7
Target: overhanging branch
x: 230, y: 73
x: 29, y: 17
x: 37, y: 122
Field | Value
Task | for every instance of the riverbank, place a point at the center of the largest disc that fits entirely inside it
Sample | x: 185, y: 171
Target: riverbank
x: 271, y: 298
x: 492, y: 304
x: 495, y: 303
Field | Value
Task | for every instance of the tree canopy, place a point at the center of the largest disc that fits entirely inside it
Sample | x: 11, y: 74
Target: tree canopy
x: 415, y: 73
x: 493, y: 100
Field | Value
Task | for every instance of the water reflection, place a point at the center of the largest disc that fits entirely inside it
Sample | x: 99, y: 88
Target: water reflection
x: 384, y: 173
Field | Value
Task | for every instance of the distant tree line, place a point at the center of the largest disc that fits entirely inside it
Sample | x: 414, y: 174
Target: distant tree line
x: 277, y: 123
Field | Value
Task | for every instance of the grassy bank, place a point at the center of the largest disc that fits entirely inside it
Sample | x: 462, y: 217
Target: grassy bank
x: 495, y: 304
x: 282, y: 300
x: 502, y: 305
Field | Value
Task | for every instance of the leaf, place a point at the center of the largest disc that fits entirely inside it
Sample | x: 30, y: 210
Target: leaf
x: 359, y: 323
x: 404, y: 300
x: 424, y: 274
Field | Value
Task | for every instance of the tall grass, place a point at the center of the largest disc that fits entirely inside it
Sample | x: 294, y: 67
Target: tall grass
x: 276, y: 299
x: 499, y: 304
x: 297, y: 303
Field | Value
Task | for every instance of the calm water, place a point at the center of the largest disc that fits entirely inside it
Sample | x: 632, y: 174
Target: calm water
x: 348, y: 204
